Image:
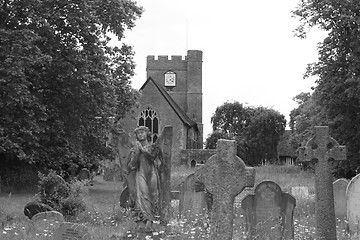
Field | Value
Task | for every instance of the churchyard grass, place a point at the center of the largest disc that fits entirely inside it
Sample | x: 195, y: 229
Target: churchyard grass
x: 106, y: 220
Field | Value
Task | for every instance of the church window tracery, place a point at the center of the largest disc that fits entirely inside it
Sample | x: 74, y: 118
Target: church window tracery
x: 149, y: 118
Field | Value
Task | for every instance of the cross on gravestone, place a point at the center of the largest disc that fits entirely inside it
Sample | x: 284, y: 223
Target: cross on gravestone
x: 322, y: 149
x: 224, y: 176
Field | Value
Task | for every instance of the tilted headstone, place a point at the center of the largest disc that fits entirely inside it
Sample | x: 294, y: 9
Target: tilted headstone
x: 353, y: 206
x: 225, y: 176
x: 269, y: 212
x: 71, y: 231
x: 84, y: 174
x: 34, y: 207
x: 192, y: 203
x: 165, y: 142
x: 47, y: 221
x: 300, y: 192
x: 339, y: 187
x: 321, y: 150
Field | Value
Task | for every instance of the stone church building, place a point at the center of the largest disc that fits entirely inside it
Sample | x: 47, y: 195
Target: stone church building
x: 172, y: 95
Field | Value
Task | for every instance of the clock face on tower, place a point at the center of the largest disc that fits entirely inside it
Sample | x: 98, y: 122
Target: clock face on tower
x: 170, y: 79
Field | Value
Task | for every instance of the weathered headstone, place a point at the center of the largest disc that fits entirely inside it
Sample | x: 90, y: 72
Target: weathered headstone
x: 34, y: 207
x: 71, y: 231
x: 339, y: 187
x: 84, y: 174
x: 224, y: 176
x: 165, y: 141
x: 322, y: 150
x: 300, y: 192
x: 58, y: 182
x: 353, y: 206
x: 46, y: 222
x: 192, y: 204
x: 269, y: 212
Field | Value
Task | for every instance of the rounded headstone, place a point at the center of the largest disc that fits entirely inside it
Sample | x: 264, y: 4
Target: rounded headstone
x: 353, y: 206
x: 32, y: 208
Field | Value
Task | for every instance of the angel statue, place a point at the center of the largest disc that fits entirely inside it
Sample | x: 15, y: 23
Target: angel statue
x: 143, y: 180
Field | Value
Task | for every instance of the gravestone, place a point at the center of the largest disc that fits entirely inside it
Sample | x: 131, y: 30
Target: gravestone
x: 71, y: 231
x: 46, y: 222
x: 269, y: 212
x: 322, y: 150
x: 165, y: 142
x: 339, y: 187
x: 58, y: 183
x: 84, y: 174
x: 34, y: 207
x: 353, y: 206
x: 224, y: 175
x: 300, y: 192
x: 192, y: 203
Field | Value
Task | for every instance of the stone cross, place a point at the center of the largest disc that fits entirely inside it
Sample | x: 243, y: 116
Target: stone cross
x: 224, y: 176
x: 322, y: 150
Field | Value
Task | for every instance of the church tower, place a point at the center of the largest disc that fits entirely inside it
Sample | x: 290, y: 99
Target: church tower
x: 182, y: 79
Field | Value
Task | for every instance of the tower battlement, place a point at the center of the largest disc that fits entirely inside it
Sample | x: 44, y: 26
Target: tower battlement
x: 175, y: 61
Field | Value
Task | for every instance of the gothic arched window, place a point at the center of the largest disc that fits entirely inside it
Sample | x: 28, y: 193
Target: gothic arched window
x: 149, y: 118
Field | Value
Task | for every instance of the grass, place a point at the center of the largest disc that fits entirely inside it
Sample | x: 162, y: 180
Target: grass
x: 105, y: 219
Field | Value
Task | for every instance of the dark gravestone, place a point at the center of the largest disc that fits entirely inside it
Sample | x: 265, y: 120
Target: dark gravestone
x: 192, y: 203
x: 269, y: 213
x: 224, y: 175
x: 84, y: 174
x: 33, y: 208
x: 322, y: 150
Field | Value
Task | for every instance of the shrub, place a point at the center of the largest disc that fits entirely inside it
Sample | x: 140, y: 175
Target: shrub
x: 64, y: 197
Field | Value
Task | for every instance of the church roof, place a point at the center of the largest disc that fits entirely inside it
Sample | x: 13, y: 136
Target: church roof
x: 177, y: 109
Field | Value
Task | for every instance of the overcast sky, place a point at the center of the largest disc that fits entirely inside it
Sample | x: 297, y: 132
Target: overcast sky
x: 250, y: 53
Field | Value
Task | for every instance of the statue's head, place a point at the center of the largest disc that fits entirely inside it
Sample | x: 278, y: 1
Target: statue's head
x: 142, y: 132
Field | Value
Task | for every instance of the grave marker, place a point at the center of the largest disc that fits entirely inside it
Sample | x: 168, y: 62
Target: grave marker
x: 353, y: 206
x: 339, y: 187
x: 32, y: 208
x: 224, y: 175
x: 322, y: 149
x: 71, y: 231
x: 269, y: 212
x: 47, y: 221
x: 165, y: 141
x: 192, y: 203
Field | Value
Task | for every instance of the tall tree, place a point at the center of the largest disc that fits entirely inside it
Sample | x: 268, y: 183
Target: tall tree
x: 58, y: 75
x: 338, y: 67
x: 257, y: 131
